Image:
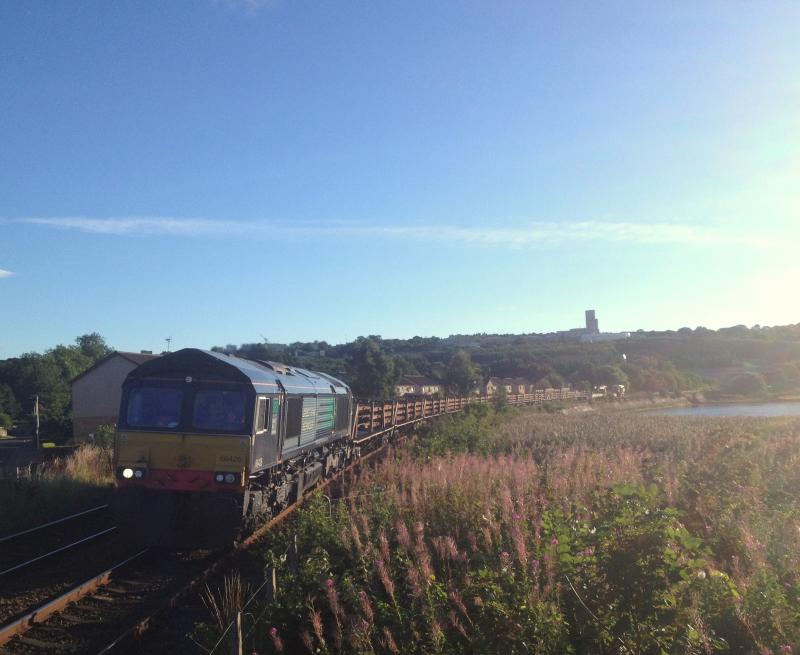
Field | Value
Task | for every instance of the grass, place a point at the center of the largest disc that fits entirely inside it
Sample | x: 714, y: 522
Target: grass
x: 58, y: 488
x: 600, y: 533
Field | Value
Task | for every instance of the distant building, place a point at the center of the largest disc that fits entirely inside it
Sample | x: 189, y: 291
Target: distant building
x: 592, y: 325
x: 512, y: 386
x: 96, y: 392
x: 519, y: 385
x: 590, y: 333
x: 417, y: 385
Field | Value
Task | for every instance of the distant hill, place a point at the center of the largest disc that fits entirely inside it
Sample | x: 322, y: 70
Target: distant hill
x: 665, y: 361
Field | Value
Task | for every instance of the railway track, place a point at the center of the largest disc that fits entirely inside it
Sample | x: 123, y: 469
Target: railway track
x: 43, y: 542
x: 109, y: 611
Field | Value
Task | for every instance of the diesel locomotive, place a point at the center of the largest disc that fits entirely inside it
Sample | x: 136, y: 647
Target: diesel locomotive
x: 209, y: 444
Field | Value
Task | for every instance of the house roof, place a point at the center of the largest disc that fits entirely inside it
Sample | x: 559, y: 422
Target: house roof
x: 134, y: 358
x: 418, y: 381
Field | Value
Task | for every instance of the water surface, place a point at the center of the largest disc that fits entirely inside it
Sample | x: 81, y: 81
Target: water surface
x: 750, y: 409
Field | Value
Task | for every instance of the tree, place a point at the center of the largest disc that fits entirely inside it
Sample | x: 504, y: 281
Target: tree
x: 461, y: 374
x: 93, y: 346
x: 371, y: 371
x: 746, y: 384
x: 48, y: 376
x: 610, y: 374
x: 8, y: 403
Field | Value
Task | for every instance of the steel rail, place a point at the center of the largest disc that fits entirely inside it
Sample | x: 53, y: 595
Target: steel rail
x: 59, y: 550
x: 56, y: 522
x: 42, y: 613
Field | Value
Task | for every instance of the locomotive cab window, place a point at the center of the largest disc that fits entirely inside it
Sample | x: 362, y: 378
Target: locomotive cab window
x: 219, y: 410
x: 262, y: 414
x: 154, y: 407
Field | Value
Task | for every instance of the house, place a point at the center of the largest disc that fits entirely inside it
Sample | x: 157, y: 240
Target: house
x: 512, y: 386
x: 96, y: 392
x: 417, y: 385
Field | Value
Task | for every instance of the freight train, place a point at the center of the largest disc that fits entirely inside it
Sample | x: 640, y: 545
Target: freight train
x: 209, y: 445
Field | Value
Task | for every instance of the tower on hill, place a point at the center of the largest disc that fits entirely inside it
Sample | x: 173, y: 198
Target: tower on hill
x: 592, y: 326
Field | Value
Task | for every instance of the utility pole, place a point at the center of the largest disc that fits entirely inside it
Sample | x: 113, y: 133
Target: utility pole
x: 36, y: 415
x: 168, y: 340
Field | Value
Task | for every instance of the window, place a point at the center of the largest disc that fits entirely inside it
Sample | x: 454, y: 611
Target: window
x: 154, y: 407
x: 262, y: 414
x: 294, y: 417
x: 219, y: 410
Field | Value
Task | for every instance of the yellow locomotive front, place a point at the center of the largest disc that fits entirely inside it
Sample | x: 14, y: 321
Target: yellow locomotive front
x: 184, y: 448
x: 188, y: 438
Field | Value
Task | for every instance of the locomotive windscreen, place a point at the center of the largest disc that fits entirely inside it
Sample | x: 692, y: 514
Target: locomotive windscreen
x: 154, y: 407
x: 219, y: 410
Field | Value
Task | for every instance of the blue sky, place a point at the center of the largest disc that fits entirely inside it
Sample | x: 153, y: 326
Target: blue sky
x: 222, y: 171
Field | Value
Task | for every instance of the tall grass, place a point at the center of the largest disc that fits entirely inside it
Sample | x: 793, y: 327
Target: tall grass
x: 57, y: 488
x: 570, y: 534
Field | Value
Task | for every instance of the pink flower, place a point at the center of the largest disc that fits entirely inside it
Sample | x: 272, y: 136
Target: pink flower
x: 277, y: 642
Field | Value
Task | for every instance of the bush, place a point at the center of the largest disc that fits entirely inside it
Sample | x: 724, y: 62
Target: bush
x: 746, y: 384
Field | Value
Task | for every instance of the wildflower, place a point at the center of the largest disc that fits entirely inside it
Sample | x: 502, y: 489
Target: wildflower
x: 277, y: 642
x: 308, y: 642
x: 455, y: 598
x: 333, y: 598
x: 366, y: 607
x: 384, y: 545
x: 701, y: 575
x: 403, y: 538
x: 316, y: 625
x: 389, y: 643
x: 359, y: 546
x: 414, y: 582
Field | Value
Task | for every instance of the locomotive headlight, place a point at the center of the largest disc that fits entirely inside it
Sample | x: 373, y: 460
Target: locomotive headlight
x: 127, y: 473
x: 138, y: 474
x: 230, y: 478
x: 219, y: 477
